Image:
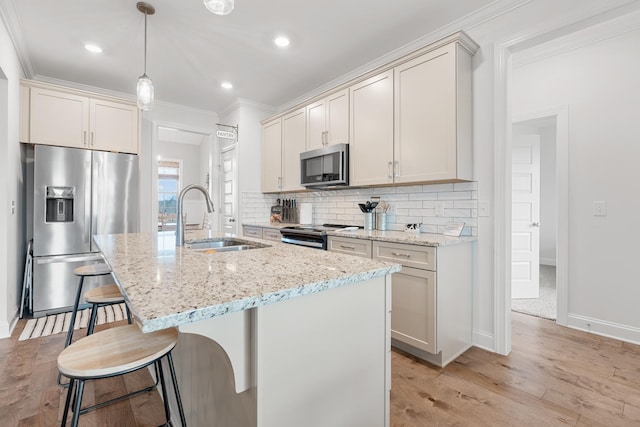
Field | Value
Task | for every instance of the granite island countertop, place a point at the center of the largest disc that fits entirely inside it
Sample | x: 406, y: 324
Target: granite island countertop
x: 167, y: 286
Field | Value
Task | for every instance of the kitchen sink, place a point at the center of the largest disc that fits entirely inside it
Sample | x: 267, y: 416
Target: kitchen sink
x: 223, y: 244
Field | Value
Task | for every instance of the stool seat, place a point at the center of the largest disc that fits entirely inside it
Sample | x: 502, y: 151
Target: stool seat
x: 106, y: 294
x: 115, y: 351
x: 99, y: 269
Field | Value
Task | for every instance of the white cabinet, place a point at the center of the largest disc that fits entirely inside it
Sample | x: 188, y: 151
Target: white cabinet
x: 283, y: 139
x: 272, y: 156
x: 293, y: 143
x: 63, y: 117
x: 371, y: 130
x: 252, y: 231
x: 328, y: 120
x: 432, y: 110
x: 431, y: 315
x: 350, y: 246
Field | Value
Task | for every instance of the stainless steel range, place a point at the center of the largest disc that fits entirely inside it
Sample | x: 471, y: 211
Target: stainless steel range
x: 313, y: 236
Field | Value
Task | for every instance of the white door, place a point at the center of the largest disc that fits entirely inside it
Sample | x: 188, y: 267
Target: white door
x: 525, y: 240
x: 229, y: 208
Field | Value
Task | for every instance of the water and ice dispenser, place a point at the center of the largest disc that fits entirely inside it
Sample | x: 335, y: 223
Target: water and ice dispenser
x: 59, y: 204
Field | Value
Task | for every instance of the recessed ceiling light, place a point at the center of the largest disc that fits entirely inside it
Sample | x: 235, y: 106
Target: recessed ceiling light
x: 93, y: 48
x: 226, y: 85
x: 281, y: 41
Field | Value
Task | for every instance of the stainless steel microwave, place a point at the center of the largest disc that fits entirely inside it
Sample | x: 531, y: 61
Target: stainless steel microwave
x: 327, y: 166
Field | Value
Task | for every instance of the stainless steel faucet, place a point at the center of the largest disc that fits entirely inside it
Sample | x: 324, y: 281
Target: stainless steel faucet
x: 179, y: 223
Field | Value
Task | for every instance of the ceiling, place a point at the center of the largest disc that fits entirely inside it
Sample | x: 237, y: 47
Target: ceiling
x: 191, y: 51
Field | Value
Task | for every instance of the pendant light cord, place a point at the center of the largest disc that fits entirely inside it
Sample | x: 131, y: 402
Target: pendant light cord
x: 145, y: 43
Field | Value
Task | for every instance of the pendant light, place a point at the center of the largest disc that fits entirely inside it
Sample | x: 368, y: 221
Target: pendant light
x: 144, y: 88
x: 219, y: 7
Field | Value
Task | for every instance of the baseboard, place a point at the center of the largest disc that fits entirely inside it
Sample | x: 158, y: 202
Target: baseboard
x: 484, y: 340
x: 548, y: 261
x: 616, y: 331
x: 7, y: 327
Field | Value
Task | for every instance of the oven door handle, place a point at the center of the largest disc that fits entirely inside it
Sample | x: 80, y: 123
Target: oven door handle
x: 317, y: 245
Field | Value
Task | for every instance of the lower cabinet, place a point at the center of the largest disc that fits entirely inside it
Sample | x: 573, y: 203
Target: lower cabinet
x: 431, y: 315
x: 266, y: 233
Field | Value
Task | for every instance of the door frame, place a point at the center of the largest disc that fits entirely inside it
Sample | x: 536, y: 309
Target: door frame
x: 503, y: 122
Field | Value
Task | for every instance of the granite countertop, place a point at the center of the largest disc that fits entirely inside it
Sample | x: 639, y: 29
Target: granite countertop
x: 411, y: 238
x: 168, y: 286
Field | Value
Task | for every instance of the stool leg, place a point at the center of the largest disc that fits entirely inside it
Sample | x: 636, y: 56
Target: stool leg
x: 128, y: 314
x: 74, y: 312
x: 78, y: 402
x: 183, y: 420
x: 165, y: 395
x: 67, y: 402
x: 92, y: 321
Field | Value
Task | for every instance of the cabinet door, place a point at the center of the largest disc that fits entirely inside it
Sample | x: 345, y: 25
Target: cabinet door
x: 293, y: 143
x: 425, y: 117
x: 113, y: 126
x: 58, y: 118
x: 271, y: 234
x: 316, y: 125
x: 337, y: 118
x: 413, y: 312
x: 371, y: 130
x: 271, y: 156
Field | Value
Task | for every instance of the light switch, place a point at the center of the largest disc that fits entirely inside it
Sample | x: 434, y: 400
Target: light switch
x: 484, y: 208
x: 599, y: 208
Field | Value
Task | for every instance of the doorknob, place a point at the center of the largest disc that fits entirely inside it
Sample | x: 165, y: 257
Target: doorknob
x: 535, y: 224
x: 232, y: 220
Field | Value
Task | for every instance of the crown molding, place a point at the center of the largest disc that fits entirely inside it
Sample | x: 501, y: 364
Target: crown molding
x: 12, y: 24
x: 242, y: 102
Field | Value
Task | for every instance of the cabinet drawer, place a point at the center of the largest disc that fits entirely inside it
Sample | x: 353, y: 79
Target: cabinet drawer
x: 271, y: 234
x: 356, y: 247
x: 423, y: 257
x: 252, y: 231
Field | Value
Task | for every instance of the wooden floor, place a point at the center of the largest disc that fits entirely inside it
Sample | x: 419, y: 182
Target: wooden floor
x: 554, y: 376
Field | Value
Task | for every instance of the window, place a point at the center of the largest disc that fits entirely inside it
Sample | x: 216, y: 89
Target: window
x: 168, y: 185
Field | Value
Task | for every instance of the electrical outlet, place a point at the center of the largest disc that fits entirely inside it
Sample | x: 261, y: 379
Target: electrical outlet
x: 440, y: 209
x: 484, y: 208
x: 599, y: 208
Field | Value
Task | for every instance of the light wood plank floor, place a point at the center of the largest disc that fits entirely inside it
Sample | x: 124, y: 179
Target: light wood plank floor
x: 554, y: 377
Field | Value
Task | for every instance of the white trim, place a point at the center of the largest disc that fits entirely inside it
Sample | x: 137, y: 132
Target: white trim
x: 11, y: 21
x: 483, y: 340
x: 604, y: 328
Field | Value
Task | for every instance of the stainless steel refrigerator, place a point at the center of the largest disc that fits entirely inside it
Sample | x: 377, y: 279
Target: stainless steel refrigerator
x: 76, y: 194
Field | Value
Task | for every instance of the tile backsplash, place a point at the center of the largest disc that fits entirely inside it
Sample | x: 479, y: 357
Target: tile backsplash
x: 432, y: 205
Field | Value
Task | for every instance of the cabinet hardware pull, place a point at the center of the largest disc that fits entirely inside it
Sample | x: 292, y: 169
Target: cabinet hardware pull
x: 84, y: 138
x: 390, y: 173
x: 92, y: 139
x: 279, y: 182
x: 400, y: 254
x: 396, y: 169
x: 348, y: 247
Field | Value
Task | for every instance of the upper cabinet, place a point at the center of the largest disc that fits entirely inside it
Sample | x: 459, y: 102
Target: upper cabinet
x: 432, y: 111
x: 371, y: 147
x: 409, y: 121
x: 328, y: 120
x: 68, y: 118
x: 283, y: 140
x: 272, y: 156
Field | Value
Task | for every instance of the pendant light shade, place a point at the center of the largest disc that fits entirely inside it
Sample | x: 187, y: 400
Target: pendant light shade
x: 219, y: 7
x: 144, y: 89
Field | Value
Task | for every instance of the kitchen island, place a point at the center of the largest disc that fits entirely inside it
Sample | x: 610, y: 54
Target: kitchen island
x: 276, y: 336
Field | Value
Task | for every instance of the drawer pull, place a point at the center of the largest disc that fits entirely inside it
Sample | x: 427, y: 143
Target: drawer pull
x: 401, y: 254
x: 348, y: 247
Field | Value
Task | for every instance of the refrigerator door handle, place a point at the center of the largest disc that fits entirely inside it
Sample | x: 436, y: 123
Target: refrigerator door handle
x: 87, y: 197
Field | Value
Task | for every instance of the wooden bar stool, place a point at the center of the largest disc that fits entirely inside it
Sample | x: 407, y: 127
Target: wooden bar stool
x: 101, y: 297
x: 113, y: 352
x: 90, y: 270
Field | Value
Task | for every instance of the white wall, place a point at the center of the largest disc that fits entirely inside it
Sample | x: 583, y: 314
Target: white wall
x: 12, y: 225
x: 599, y: 84
x: 170, y: 115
